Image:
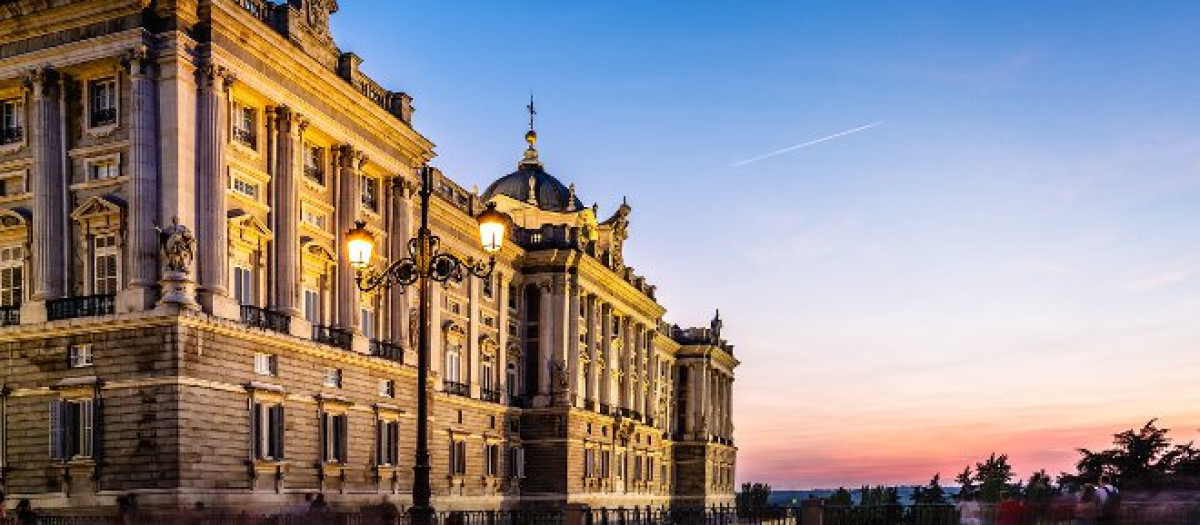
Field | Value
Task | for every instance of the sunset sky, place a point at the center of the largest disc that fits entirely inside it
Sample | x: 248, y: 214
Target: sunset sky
x: 1005, y: 258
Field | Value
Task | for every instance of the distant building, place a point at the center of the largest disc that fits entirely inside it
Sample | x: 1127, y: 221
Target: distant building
x: 180, y: 319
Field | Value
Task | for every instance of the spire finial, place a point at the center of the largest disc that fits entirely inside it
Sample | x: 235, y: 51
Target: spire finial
x: 531, y: 156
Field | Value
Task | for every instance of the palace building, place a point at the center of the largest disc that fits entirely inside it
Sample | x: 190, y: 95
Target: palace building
x: 180, y: 319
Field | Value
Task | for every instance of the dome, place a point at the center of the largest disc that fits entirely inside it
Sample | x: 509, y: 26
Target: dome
x: 550, y: 193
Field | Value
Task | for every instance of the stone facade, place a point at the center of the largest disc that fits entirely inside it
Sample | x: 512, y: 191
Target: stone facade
x: 180, y: 319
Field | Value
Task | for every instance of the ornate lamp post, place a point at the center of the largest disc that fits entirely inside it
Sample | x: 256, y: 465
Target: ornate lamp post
x: 424, y: 263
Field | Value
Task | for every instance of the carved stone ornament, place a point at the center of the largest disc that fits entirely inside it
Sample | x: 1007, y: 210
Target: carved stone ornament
x: 178, y: 246
x: 560, y: 375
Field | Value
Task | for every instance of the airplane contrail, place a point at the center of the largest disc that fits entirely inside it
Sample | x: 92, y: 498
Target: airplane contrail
x: 804, y: 145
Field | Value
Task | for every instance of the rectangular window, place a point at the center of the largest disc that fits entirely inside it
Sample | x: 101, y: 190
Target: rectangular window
x: 492, y: 460
x: 12, y: 273
x: 333, y: 377
x: 649, y: 469
x: 106, y: 258
x: 245, y: 124
x: 605, y: 463
x: 387, y: 388
x: 102, y: 97
x: 516, y: 462
x: 314, y: 163
x: 79, y: 356
x: 103, y: 168
x: 313, y: 218
x: 72, y: 428
x: 266, y: 364
x: 487, y: 374
x: 387, y: 442
x: 243, y: 186
x: 312, y: 306
x: 589, y: 463
x: 243, y: 285
x: 369, y: 186
x: 335, y: 436
x: 368, y: 323
x: 458, y: 458
x: 12, y: 126
x: 266, y: 431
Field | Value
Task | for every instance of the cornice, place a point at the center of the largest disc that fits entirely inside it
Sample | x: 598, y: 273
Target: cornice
x: 378, y: 126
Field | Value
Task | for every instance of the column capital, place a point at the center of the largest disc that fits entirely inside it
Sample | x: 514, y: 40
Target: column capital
x: 137, y: 60
x: 41, y: 81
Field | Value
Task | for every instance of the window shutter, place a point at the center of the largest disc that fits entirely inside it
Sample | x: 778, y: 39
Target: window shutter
x: 380, y: 455
x: 343, y: 438
x: 279, y: 432
x: 323, y: 437
x: 394, y: 446
x: 93, y: 438
x: 256, y: 431
x: 56, y: 429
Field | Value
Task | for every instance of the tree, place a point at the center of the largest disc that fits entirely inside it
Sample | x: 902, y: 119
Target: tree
x: 1140, y: 459
x: 752, y: 496
x: 994, y: 476
x: 931, y: 494
x: 966, y: 483
x: 1040, y: 488
x: 840, y: 498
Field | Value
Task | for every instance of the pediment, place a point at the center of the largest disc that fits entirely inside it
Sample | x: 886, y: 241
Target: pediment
x: 98, y: 207
x: 312, y: 248
x: 248, y: 223
x: 488, y: 345
x: 454, y: 330
x: 14, y: 218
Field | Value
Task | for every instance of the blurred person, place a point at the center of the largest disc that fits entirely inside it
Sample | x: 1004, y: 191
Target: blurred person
x: 1087, y: 508
x: 1108, y: 500
x: 318, y: 511
x: 969, y: 511
x: 3, y: 505
x: 388, y: 513
x: 1010, y: 510
x: 25, y: 513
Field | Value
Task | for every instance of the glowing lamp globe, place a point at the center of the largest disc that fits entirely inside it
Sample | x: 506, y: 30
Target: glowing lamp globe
x: 359, y: 243
x: 491, y: 228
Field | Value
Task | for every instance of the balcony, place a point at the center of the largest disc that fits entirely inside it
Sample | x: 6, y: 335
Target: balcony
x: 86, y: 306
x: 489, y: 395
x: 11, y: 135
x: 456, y: 388
x: 604, y: 409
x: 314, y: 174
x: 589, y: 404
x: 103, y: 117
x: 386, y: 350
x: 257, y: 317
x: 10, y: 315
x: 246, y: 137
x: 336, y: 337
x: 517, y: 401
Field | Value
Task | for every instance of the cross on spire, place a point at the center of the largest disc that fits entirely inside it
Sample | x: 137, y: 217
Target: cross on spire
x: 532, y: 111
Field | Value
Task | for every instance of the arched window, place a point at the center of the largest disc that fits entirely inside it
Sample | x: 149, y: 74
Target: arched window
x: 454, y: 362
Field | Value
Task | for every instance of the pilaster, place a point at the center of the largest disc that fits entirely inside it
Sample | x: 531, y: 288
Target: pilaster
x: 348, y: 200
x: 47, y: 185
x: 142, y: 246
x: 285, y: 212
x: 399, y: 233
x: 212, y: 228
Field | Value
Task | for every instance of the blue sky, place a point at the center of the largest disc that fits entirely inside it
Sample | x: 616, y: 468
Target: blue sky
x: 1008, y: 262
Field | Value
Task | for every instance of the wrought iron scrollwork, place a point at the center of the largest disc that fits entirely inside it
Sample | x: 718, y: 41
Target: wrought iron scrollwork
x: 439, y: 266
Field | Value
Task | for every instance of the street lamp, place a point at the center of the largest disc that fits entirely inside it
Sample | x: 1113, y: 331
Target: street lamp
x: 424, y: 263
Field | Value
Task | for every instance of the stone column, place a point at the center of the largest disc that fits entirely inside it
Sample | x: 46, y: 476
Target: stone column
x: 472, y: 357
x: 545, y: 337
x: 628, y: 355
x: 399, y: 233
x: 47, y: 185
x: 141, y: 247
x: 729, y: 407
x: 349, y: 162
x: 572, y: 346
x: 183, y: 138
x: 593, y: 331
x: 691, y: 417
x: 285, y: 213
x: 604, y: 351
x: 212, y: 228
x: 502, y: 336
x: 653, y: 397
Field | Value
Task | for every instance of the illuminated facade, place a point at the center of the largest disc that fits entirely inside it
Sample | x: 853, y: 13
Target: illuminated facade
x: 180, y: 320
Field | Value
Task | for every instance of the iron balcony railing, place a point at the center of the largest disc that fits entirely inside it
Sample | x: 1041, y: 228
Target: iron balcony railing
x: 336, y: 337
x: 11, y: 135
x: 258, y: 317
x: 86, y: 306
x: 604, y: 409
x: 315, y: 174
x: 489, y: 395
x: 103, y: 117
x: 456, y: 388
x: 245, y: 136
x: 386, y: 350
x: 10, y: 315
